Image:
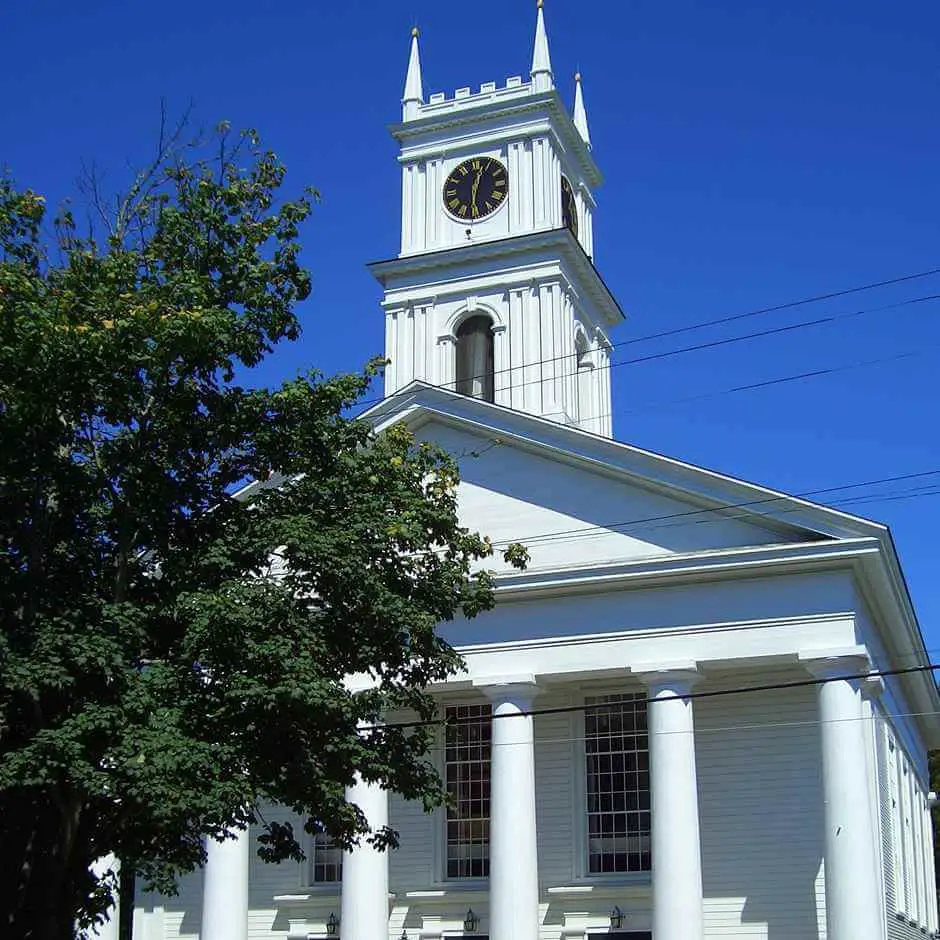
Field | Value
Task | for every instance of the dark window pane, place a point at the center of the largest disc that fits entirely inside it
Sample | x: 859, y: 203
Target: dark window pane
x: 617, y: 783
x: 475, y: 358
x: 467, y: 774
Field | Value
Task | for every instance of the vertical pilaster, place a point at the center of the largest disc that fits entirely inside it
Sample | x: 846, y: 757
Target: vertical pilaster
x: 514, y: 157
x: 446, y: 353
x: 852, y: 888
x: 514, y: 877
x: 406, y: 347
x: 605, y: 405
x: 407, y: 201
x: 364, y: 904
x: 421, y: 353
x: 676, y: 844
x: 225, y: 888
x: 540, y: 154
x: 391, y: 350
x: 517, y: 330
x: 501, y: 371
x: 547, y: 364
x: 931, y: 868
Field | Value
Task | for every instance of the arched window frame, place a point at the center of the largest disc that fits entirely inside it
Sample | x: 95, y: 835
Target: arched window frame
x: 474, y: 356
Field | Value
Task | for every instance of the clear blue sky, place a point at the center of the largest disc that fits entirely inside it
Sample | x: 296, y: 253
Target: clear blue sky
x: 754, y: 153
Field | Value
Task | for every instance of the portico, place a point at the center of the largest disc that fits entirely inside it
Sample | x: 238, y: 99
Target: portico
x: 516, y: 902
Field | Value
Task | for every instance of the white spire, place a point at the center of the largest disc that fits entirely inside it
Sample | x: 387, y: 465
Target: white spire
x: 542, y: 79
x: 580, y: 115
x: 414, y: 95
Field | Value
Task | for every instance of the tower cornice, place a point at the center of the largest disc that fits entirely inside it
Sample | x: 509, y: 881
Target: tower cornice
x: 557, y: 243
x: 489, y: 106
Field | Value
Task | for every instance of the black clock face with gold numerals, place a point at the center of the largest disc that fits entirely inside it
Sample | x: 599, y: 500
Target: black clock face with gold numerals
x: 569, y: 208
x: 476, y: 188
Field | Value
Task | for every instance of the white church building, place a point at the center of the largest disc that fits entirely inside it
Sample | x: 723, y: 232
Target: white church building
x: 675, y: 723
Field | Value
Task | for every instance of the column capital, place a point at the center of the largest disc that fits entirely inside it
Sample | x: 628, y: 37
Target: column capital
x: 839, y: 662
x: 679, y: 677
x: 521, y: 689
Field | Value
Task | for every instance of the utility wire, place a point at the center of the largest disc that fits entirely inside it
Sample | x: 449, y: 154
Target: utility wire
x: 831, y: 370
x: 785, y: 306
x: 705, y: 729
x: 690, y: 696
x: 836, y: 503
x: 547, y: 536
x: 708, y: 323
x: 701, y: 729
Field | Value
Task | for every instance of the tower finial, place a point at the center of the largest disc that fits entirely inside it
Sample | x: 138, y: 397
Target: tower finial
x: 542, y: 78
x: 580, y: 115
x: 413, y: 97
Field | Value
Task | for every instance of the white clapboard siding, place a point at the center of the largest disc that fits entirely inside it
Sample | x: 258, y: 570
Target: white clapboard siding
x: 761, y: 815
x: 557, y: 766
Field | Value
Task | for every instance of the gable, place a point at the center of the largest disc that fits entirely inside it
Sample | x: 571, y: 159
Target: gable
x: 568, y: 513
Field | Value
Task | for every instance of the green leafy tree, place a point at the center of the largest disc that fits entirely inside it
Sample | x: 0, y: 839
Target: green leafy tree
x: 174, y: 650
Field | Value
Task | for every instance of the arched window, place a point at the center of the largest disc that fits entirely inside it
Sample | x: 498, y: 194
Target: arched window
x: 475, y: 358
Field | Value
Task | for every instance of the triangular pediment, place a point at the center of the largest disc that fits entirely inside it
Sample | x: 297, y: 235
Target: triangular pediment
x: 575, y: 498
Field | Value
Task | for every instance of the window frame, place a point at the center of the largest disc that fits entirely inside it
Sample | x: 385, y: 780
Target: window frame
x: 309, y: 865
x: 580, y: 863
x: 457, y: 883
x: 489, y: 377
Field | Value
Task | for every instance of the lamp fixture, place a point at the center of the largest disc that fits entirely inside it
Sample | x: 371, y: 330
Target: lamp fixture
x: 616, y: 918
x: 404, y: 934
x: 471, y: 921
x: 331, y: 925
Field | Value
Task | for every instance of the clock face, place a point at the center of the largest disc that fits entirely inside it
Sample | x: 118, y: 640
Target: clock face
x: 476, y: 188
x: 569, y: 207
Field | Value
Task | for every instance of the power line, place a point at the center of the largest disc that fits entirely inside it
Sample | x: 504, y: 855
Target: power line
x: 722, y: 320
x: 799, y: 376
x: 703, y: 730
x: 792, y: 327
x: 692, y: 695
x: 830, y: 370
x: 529, y: 539
x: 650, y: 523
x: 787, y: 306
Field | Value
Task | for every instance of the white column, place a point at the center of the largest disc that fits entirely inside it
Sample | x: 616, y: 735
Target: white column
x: 514, y: 868
x: 364, y: 904
x: 852, y: 885
x: 109, y: 929
x: 225, y: 888
x: 676, y: 846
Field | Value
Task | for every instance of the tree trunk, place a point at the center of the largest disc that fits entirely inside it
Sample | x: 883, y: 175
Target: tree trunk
x: 40, y: 877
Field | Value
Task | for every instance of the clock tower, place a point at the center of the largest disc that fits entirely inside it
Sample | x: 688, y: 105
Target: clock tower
x: 494, y: 292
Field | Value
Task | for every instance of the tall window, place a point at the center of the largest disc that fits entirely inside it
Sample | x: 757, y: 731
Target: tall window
x: 618, y: 783
x: 467, y: 772
x: 326, y: 860
x: 475, y: 358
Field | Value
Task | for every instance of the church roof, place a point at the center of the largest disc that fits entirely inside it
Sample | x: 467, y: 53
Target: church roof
x: 811, y: 536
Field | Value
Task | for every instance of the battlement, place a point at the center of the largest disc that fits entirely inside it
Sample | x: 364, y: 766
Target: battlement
x: 439, y: 103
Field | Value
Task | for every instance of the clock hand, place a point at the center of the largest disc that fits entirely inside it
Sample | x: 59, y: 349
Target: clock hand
x: 474, y: 187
